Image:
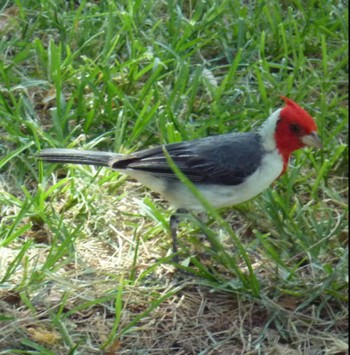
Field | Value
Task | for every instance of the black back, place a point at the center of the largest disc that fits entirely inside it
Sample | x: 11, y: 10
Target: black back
x: 224, y: 159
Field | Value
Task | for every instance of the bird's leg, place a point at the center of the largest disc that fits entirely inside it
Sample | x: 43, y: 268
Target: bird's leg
x: 174, y: 223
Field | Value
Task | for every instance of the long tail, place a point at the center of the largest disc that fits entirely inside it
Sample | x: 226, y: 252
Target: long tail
x: 75, y: 156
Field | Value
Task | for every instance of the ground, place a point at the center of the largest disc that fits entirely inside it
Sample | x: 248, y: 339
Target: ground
x: 85, y: 254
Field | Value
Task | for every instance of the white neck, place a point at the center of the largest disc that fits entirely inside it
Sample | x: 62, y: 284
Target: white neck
x: 267, y: 131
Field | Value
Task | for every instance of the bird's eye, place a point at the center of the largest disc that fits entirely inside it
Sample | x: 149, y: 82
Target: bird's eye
x: 295, y: 128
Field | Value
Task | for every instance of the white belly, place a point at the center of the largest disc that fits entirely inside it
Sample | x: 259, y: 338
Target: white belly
x: 218, y: 196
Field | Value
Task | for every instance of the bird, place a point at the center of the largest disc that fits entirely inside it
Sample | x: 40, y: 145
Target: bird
x: 226, y: 169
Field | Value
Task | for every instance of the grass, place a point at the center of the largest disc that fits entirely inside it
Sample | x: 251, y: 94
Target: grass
x: 85, y: 263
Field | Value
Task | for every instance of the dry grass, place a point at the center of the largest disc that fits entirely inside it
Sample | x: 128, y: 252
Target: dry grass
x: 194, y: 320
x: 191, y: 319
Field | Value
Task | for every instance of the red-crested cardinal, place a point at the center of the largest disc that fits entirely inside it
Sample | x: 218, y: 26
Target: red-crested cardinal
x: 226, y: 169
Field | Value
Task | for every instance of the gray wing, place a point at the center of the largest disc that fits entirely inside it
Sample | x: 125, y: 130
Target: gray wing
x: 226, y: 159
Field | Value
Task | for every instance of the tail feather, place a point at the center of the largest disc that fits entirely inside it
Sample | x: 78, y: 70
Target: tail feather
x: 76, y: 156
